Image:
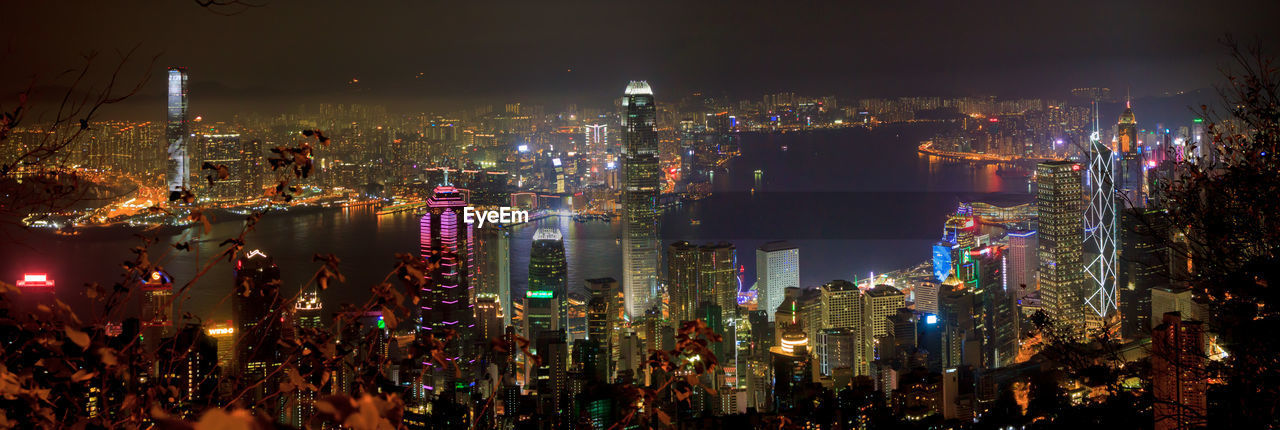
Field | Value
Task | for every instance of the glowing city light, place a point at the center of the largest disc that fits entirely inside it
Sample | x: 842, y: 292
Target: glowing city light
x: 35, y: 280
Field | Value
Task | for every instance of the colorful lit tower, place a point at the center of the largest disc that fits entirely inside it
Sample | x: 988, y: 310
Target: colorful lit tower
x: 1100, y: 224
x: 639, y: 198
x: 177, y: 133
x: 445, y: 300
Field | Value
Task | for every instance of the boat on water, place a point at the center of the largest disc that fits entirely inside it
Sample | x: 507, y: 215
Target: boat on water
x: 694, y: 221
x: 784, y: 148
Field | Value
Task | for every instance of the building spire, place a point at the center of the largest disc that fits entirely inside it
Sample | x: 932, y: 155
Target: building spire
x: 1127, y: 99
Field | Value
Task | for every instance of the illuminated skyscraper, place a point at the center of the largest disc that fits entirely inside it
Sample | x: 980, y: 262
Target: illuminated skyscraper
x: 1101, y: 224
x: 640, y: 198
x: 1059, y: 202
x: 777, y: 268
x: 177, y: 132
x: 545, y: 301
x: 445, y: 299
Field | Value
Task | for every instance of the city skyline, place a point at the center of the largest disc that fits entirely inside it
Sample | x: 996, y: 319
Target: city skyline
x: 435, y: 216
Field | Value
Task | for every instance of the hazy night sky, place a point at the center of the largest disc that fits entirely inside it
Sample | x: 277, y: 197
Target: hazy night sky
x: 557, y: 52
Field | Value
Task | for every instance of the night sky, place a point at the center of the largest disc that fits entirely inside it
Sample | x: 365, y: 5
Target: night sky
x: 426, y: 54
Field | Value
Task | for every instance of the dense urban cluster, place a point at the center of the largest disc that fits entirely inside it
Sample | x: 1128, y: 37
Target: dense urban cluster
x: 972, y: 336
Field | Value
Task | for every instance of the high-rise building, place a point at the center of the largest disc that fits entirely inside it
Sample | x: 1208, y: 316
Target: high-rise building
x: 995, y: 308
x: 1165, y: 299
x: 297, y: 407
x: 546, y: 301
x: 1144, y: 265
x: 837, y: 348
x: 239, y: 158
x: 882, y: 302
x: 493, y: 261
x: 1129, y: 180
x: 224, y: 333
x: 552, y: 381
x: 1023, y: 262
x: 489, y: 318
x: 257, y: 306
x: 445, y: 298
x: 177, y: 133
x: 1178, y: 378
x: 841, y: 305
x: 190, y: 369
x: 604, y: 309
x: 777, y: 268
x: 1101, y: 228
x: 698, y: 274
x: 1059, y: 202
x: 682, y: 280
x: 641, y: 176
x: 925, y: 296
x: 157, y: 308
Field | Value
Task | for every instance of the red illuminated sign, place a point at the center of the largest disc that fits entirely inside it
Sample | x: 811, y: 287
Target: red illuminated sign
x: 35, y: 280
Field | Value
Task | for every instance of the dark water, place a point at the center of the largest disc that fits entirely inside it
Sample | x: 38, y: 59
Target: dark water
x: 854, y: 201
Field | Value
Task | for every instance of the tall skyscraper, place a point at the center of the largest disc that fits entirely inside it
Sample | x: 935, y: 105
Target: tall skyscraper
x: 546, y: 301
x: 777, y: 268
x: 1059, y: 202
x: 1101, y: 226
x: 445, y: 299
x: 177, y: 133
x: 257, y: 305
x: 1178, y: 378
x: 641, y: 176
